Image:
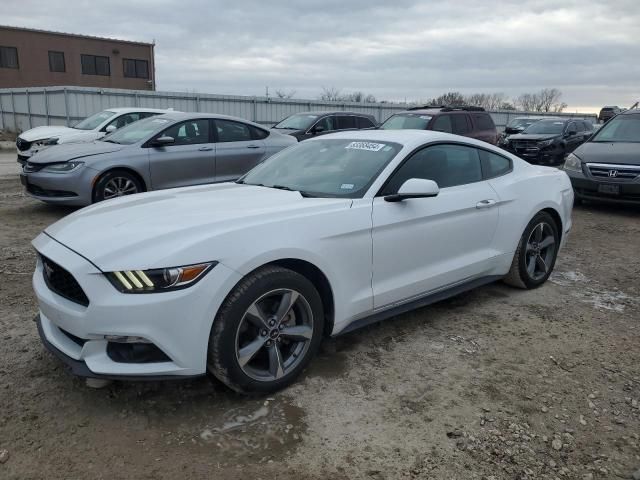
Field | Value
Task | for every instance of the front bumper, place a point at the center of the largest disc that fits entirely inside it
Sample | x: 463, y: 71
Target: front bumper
x: 586, y: 187
x: 546, y: 155
x: 177, y: 323
x: 71, y: 189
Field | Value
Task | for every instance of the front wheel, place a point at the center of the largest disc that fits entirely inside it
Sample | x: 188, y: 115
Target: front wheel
x: 116, y: 183
x: 266, y: 332
x: 536, y: 254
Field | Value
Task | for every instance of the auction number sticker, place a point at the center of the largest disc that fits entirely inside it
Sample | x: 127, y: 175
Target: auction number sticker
x: 369, y: 146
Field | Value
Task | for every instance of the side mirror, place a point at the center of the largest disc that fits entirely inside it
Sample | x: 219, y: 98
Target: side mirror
x: 318, y: 129
x: 163, y: 141
x: 415, y: 188
x: 110, y: 128
x: 572, y: 132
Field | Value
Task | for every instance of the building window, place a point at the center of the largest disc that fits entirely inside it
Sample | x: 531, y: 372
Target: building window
x: 56, y: 62
x: 9, y: 57
x: 95, y: 65
x: 135, y: 68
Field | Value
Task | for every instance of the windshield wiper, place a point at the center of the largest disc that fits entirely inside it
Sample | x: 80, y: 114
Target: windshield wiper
x: 111, y: 141
x: 289, y: 189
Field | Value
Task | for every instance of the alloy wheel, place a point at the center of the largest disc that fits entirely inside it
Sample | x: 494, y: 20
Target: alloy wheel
x: 118, y: 187
x: 540, y: 251
x: 274, y: 334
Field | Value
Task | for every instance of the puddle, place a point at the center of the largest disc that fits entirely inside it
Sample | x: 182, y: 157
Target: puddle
x: 590, y: 292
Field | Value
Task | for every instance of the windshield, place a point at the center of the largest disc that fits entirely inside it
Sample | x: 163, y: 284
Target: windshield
x: 137, y: 131
x: 623, y: 128
x: 545, y: 127
x: 405, y: 121
x: 300, y: 121
x: 341, y: 168
x: 94, y: 121
x: 521, y: 122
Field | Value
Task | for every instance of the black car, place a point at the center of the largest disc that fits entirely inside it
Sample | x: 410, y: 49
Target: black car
x: 548, y: 141
x: 310, y: 124
x: 607, y: 167
x: 515, y: 126
x: 607, y: 113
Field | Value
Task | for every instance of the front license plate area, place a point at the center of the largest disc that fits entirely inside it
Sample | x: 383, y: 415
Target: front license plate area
x: 610, y: 189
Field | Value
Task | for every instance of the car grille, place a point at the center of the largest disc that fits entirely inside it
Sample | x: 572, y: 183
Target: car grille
x: 620, y: 173
x: 22, y: 144
x: 33, y: 167
x: 62, y: 282
x: 522, y: 144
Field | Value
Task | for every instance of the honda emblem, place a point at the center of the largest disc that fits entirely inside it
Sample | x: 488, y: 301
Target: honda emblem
x: 613, y: 173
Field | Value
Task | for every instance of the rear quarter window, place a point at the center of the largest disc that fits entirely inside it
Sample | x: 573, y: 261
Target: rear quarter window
x: 258, y: 133
x: 364, y: 122
x: 494, y: 165
x: 483, y: 121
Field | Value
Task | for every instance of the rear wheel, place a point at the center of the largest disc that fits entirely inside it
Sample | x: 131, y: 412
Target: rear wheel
x: 536, y: 254
x: 266, y: 331
x: 116, y: 183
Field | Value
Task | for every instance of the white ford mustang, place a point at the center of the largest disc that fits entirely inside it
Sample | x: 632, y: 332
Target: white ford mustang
x: 242, y: 280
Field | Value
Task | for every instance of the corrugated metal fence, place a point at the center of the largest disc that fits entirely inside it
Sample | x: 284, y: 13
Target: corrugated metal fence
x: 25, y: 108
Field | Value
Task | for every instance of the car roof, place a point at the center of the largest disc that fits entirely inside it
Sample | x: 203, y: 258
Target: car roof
x: 138, y: 109
x: 177, y: 116
x: 632, y: 111
x: 407, y: 137
x: 331, y: 112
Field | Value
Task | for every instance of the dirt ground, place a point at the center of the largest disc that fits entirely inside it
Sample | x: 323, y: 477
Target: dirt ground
x: 494, y: 384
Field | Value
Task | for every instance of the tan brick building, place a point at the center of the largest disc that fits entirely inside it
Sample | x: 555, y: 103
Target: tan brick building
x: 38, y: 58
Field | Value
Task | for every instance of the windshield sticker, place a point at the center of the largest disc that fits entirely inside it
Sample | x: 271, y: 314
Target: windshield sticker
x: 558, y: 123
x: 369, y: 146
x: 425, y: 117
x: 347, y: 186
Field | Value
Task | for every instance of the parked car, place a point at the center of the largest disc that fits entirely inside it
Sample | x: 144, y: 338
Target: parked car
x: 167, y: 151
x: 548, y: 141
x: 471, y: 122
x: 91, y: 128
x: 311, y: 124
x: 244, y: 279
x: 607, y: 167
x: 516, y: 125
x: 607, y: 113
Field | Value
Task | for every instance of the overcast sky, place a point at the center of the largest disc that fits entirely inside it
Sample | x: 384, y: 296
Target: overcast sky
x: 413, y: 49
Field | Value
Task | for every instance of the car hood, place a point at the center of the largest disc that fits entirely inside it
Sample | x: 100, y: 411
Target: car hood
x: 533, y: 136
x: 73, y: 151
x: 177, y: 223
x: 63, y: 134
x: 601, y: 152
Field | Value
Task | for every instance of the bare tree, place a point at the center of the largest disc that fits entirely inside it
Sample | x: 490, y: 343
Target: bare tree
x: 283, y: 94
x: 358, y: 97
x: 546, y: 100
x: 330, y: 94
x: 449, y: 98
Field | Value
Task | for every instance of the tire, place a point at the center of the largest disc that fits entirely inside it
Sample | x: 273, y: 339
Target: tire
x: 249, y: 350
x: 532, y: 248
x: 116, y: 183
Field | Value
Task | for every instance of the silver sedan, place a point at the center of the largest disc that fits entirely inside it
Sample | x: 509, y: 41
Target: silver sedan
x: 166, y: 151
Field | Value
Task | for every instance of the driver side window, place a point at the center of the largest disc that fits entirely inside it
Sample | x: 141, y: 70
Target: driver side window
x: 328, y: 123
x: 447, y: 165
x: 191, y: 132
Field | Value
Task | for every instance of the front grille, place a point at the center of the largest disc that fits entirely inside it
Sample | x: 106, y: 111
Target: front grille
x: 41, y: 192
x: 62, y: 282
x: 522, y: 144
x: 22, y: 144
x: 619, y: 173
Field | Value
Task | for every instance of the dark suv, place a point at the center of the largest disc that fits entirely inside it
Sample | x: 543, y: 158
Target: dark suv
x: 471, y: 122
x: 607, y: 113
x: 548, y: 141
x: 310, y: 124
x: 607, y: 167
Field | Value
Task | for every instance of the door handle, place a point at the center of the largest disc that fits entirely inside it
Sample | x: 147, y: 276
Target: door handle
x: 253, y: 146
x: 486, y: 203
x: 205, y: 149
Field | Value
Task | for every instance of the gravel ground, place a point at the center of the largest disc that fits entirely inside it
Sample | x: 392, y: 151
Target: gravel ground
x: 493, y: 384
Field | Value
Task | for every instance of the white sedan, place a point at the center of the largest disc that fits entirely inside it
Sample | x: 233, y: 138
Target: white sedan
x: 91, y: 128
x: 242, y: 280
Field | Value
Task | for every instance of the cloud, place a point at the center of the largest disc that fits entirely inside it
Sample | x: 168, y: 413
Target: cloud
x: 413, y: 49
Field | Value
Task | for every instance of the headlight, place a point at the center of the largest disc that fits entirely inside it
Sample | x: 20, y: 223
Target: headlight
x: 62, y: 167
x: 573, y: 163
x: 159, y: 279
x: 47, y: 141
x: 545, y: 143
